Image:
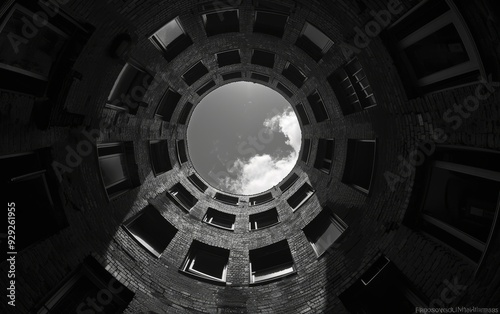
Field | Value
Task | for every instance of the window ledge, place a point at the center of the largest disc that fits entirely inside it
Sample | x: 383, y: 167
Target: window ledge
x: 203, y: 279
x: 266, y: 281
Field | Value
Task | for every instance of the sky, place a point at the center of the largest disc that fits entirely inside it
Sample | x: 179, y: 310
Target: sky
x: 243, y: 138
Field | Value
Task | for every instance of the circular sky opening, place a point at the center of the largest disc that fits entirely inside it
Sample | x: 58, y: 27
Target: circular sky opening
x: 244, y: 138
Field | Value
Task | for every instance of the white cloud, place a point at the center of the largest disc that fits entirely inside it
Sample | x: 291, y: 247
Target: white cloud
x: 262, y: 172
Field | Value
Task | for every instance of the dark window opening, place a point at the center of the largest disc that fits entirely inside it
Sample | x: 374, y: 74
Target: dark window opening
x: 289, y: 182
x: 271, y: 262
x: 226, y: 199
x: 459, y: 193
x: 207, y: 262
x: 195, y: 73
x: 318, y: 107
x: 181, y: 151
x: 261, y: 199
x: 228, y: 58
x: 151, y: 230
x: 270, y: 23
x: 263, y: 58
x: 306, y: 151
x: 231, y: 76
x: 205, y: 88
x: 360, y: 164
x: 160, y: 158
x: 352, y: 88
x: 221, y: 22
x: 285, y: 90
x: 433, y: 50
x: 220, y: 219
x: 388, y: 291
x: 186, y: 111
x: 29, y: 180
x: 87, y: 282
x: 171, y: 39
x: 300, y: 196
x: 324, y: 230
x: 182, y: 197
x: 129, y: 89
x: 324, y: 155
x: 196, y: 181
x: 119, y: 171
x: 302, y: 114
x: 263, y: 220
x: 42, y: 65
x: 168, y: 104
x: 314, y: 42
x: 294, y: 75
x: 260, y: 77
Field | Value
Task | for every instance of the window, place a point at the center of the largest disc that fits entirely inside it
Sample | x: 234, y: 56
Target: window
x: 352, y: 88
x: 186, y: 111
x: 167, y: 105
x: 76, y: 294
x: 231, y: 76
x: 285, y: 90
x: 323, y: 231
x: 221, y: 22
x: 42, y: 65
x: 317, y: 106
x: 461, y: 199
x: 219, y: 219
x: 300, y: 196
x: 205, y: 88
x: 434, y: 53
x: 171, y: 39
x: 160, y: 159
x: 181, y: 152
x: 289, y: 182
x: 270, y: 23
x: 260, y: 77
x: 195, y: 73
x: 263, y: 220
x: 118, y: 168
x: 151, y: 230
x: 306, y: 150
x: 382, y: 289
x: 228, y: 58
x: 261, y: 199
x: 271, y: 262
x: 294, y: 75
x: 314, y: 42
x: 226, y: 199
x: 324, y: 155
x: 182, y: 197
x: 129, y: 89
x: 263, y: 58
x: 28, y: 180
x: 207, y: 262
x: 302, y: 114
x: 196, y: 181
x: 360, y: 164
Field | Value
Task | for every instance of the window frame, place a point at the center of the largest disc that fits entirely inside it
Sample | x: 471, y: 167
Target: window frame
x: 452, y: 16
x: 179, y: 189
x: 309, y: 193
x: 166, y: 49
x: 335, y: 221
x: 127, y: 227
x: 217, y: 12
x: 268, y: 273
x: 374, y: 162
x: 458, y: 234
x: 268, y: 213
x: 127, y: 173
x: 167, y: 157
x: 187, y: 265
x: 323, y: 144
x: 214, y: 212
